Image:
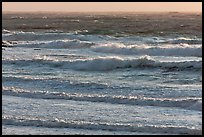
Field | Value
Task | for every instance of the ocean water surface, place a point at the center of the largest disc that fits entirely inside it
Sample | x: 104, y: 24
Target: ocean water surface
x: 76, y: 82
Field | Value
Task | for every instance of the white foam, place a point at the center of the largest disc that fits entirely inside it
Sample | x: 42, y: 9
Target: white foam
x: 7, y: 44
x: 164, y: 50
x: 58, y: 44
x: 108, y: 63
x: 184, y: 40
x: 5, y: 31
x: 158, y: 40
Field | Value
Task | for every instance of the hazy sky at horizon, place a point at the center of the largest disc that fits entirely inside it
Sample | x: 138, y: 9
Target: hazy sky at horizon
x: 102, y: 6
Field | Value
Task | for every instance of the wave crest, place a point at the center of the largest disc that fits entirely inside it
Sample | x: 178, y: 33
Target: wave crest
x: 165, y: 50
x: 186, y: 103
x: 74, y: 43
x: 60, y: 123
x: 109, y: 63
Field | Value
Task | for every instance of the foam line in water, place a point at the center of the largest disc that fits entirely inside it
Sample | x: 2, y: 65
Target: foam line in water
x: 58, y: 82
x: 180, y: 40
x: 60, y: 123
x: 74, y: 43
x: 185, y: 103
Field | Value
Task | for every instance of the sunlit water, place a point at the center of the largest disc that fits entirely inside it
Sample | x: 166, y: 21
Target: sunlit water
x: 70, y: 83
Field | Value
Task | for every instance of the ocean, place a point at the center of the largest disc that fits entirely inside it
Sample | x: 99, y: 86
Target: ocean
x: 102, y: 73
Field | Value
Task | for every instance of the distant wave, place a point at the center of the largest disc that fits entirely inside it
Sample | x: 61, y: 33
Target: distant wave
x: 56, y: 35
x: 108, y: 63
x: 186, y: 103
x: 32, y: 36
x: 159, y: 40
x: 58, y: 44
x: 60, y: 123
x: 48, y: 36
x: 184, y: 40
x: 164, y: 50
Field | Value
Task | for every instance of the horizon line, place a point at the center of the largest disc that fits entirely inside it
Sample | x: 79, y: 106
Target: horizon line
x: 102, y: 11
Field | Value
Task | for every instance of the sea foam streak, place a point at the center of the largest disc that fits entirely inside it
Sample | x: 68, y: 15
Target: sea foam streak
x: 186, y: 103
x: 74, y: 43
x: 60, y: 123
x: 184, y: 40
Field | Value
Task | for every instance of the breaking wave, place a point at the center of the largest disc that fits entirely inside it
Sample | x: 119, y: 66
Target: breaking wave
x: 108, y: 63
x: 164, y: 50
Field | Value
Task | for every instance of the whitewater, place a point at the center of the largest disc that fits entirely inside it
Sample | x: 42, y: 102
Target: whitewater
x: 59, y: 82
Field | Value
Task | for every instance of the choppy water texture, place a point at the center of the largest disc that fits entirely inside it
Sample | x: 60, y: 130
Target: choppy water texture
x: 82, y: 74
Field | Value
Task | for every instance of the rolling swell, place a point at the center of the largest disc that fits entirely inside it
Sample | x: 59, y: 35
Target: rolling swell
x: 108, y: 63
x: 185, y: 103
x: 58, y: 83
x: 60, y: 123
